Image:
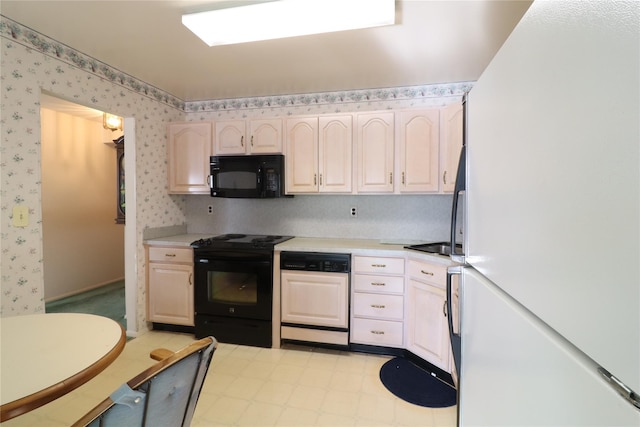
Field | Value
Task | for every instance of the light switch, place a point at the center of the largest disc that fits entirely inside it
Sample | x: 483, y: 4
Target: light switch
x: 20, y: 216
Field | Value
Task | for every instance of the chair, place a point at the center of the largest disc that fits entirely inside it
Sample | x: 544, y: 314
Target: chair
x: 163, y: 395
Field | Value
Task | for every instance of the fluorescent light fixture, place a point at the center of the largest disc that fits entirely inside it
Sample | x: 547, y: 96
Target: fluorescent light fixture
x: 287, y: 18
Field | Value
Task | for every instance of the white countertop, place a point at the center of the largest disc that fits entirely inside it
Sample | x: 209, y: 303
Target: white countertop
x: 313, y: 244
x: 364, y: 247
x: 178, y: 240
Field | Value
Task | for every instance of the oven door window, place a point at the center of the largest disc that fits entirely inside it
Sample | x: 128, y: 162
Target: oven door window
x: 232, y: 288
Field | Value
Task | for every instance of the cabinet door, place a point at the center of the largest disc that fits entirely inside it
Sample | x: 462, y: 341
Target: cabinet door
x: 451, y: 144
x: 301, y: 173
x: 419, y: 147
x: 335, y: 153
x: 170, y: 296
x: 427, y: 328
x: 374, y: 145
x: 265, y: 136
x: 229, y: 137
x: 189, y: 151
x: 317, y: 299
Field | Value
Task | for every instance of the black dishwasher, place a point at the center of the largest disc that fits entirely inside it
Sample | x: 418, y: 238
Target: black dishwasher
x: 315, y: 297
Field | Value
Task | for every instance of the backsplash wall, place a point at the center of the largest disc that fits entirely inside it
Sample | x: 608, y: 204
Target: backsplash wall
x: 398, y: 218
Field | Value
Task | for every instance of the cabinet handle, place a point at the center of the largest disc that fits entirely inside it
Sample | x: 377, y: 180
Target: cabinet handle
x: 428, y: 273
x: 377, y: 332
x: 377, y: 306
x: 444, y: 308
x: 379, y: 265
x: 190, y: 279
x: 390, y: 177
x: 320, y: 179
x: 170, y: 255
x: 444, y: 177
x: 315, y: 179
x: 242, y: 141
x: 378, y: 284
x: 402, y: 178
x: 252, y: 140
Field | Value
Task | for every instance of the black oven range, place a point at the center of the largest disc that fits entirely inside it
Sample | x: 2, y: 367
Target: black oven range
x: 233, y: 288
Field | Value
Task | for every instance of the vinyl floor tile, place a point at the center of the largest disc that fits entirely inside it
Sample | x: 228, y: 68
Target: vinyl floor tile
x: 249, y: 386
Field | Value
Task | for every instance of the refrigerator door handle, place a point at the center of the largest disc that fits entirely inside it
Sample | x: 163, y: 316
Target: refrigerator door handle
x: 621, y: 388
x: 454, y: 337
x: 460, y: 185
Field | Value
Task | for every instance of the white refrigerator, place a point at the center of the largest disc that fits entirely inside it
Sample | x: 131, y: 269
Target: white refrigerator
x: 549, y: 291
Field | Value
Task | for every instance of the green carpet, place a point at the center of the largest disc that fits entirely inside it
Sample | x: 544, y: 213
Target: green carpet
x: 107, y: 301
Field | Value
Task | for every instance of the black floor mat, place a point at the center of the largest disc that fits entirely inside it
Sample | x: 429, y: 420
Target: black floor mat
x: 415, y: 385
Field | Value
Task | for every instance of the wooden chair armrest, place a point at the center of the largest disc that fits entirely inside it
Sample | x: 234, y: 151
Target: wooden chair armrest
x: 161, y: 354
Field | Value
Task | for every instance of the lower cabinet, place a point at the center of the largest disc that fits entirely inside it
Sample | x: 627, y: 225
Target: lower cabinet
x: 170, y: 285
x: 427, y: 330
x: 377, y: 302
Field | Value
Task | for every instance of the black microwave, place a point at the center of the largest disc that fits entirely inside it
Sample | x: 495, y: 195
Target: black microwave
x: 247, y: 177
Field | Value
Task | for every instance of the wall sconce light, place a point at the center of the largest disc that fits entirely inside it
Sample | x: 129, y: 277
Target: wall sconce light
x: 111, y: 121
x: 287, y: 18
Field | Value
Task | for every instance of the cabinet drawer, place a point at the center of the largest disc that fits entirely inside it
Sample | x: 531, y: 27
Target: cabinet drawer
x: 169, y: 254
x: 377, y: 332
x: 380, y: 284
x: 426, y: 272
x: 389, y: 307
x: 366, y: 264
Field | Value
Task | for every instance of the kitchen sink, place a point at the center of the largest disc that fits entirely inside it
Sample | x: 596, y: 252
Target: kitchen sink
x: 439, y: 248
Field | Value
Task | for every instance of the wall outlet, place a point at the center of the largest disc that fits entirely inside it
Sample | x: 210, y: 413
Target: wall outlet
x: 210, y: 209
x: 354, y: 212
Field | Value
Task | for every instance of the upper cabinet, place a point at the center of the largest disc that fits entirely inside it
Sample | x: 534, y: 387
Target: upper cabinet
x: 418, y: 147
x: 335, y: 153
x: 229, y: 137
x: 374, y: 151
x: 401, y: 152
x: 301, y: 158
x: 263, y: 136
x: 189, y: 150
x: 451, y: 137
x: 319, y: 154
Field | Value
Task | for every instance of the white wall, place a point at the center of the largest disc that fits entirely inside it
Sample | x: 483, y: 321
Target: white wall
x: 82, y: 246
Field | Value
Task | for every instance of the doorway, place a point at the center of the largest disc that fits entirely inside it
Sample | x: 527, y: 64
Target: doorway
x: 83, y: 246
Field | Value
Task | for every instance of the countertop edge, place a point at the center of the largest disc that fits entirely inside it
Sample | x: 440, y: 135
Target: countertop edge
x: 363, y: 247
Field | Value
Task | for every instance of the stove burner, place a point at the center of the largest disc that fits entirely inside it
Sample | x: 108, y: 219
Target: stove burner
x: 229, y: 236
x: 238, y: 241
x: 266, y: 239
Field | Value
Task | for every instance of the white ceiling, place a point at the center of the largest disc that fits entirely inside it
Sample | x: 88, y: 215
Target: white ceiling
x: 432, y: 42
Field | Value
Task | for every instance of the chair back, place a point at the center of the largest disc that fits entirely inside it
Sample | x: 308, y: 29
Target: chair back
x: 163, y: 395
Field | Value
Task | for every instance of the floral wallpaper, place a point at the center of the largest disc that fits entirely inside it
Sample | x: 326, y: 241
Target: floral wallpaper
x: 31, y: 62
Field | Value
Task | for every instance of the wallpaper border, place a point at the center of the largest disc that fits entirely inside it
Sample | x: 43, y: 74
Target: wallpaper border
x: 29, y: 38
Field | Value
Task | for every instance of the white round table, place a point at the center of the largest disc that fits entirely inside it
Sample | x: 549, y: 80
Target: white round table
x: 44, y: 356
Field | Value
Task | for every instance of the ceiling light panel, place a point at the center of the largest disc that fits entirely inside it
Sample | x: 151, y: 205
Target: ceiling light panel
x: 287, y: 18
